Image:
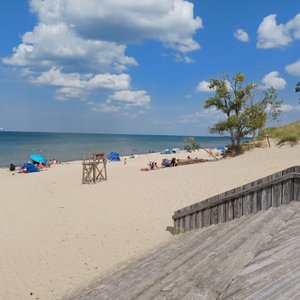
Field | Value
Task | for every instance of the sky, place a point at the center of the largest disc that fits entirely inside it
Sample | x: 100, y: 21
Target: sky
x: 140, y: 66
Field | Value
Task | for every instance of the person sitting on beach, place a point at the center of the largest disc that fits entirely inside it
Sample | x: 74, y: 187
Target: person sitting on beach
x: 144, y: 169
x: 40, y: 165
x: 173, y: 162
x: 12, y: 167
x: 166, y: 163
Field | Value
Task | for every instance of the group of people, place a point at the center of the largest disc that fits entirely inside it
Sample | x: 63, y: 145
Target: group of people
x: 33, y: 166
x: 47, y: 164
x: 165, y: 164
x: 152, y: 165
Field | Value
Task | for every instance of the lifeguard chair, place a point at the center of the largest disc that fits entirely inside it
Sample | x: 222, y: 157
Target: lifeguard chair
x: 94, y: 168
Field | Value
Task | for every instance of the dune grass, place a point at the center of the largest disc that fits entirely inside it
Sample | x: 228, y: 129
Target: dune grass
x: 289, y: 133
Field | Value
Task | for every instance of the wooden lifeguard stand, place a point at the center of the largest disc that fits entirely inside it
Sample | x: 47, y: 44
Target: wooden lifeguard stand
x: 94, y: 168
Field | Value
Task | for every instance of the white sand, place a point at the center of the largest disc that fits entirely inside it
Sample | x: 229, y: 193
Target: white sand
x: 57, y: 234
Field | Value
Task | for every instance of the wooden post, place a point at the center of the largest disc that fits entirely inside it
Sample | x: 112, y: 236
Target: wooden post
x: 200, y: 218
x: 214, y: 215
x: 266, y: 199
x: 296, y: 189
x: 286, y: 192
x: 176, y: 226
x: 193, y: 221
x: 237, y: 208
x: 187, y: 225
x: 229, y: 210
x: 181, y: 225
x: 207, y: 217
x: 276, y: 195
x: 221, y: 213
x: 267, y: 136
x: 247, y: 207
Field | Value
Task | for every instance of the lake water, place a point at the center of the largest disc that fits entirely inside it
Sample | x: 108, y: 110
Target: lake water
x: 16, y: 147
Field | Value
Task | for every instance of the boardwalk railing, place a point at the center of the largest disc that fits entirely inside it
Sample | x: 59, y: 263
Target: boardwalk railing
x: 271, y: 191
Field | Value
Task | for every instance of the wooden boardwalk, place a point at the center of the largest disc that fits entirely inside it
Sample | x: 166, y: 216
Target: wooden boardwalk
x: 252, y: 257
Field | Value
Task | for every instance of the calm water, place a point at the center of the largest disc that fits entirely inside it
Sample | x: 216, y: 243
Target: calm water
x: 16, y: 147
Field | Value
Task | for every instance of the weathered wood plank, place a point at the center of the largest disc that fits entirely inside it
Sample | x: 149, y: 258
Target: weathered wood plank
x: 200, y: 218
x: 221, y: 213
x: 214, y: 215
x: 194, y: 221
x: 187, y: 224
x: 229, y: 210
x: 286, y: 192
x: 207, y: 217
x: 266, y: 198
x: 237, y: 208
x: 276, y: 195
x: 253, y: 200
x: 273, y: 190
x: 256, y: 257
x: 247, y: 205
x: 296, y: 189
x: 176, y: 226
x: 181, y: 224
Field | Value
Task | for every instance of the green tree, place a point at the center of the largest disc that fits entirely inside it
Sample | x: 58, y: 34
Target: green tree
x: 243, y: 114
x: 297, y: 89
x: 191, y: 144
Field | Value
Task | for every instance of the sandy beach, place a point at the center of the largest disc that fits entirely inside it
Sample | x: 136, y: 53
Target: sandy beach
x: 57, y: 234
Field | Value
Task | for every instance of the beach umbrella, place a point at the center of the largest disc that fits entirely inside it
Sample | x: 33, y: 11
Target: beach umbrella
x: 38, y: 158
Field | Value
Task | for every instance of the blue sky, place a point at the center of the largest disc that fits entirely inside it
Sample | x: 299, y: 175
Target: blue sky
x: 141, y: 67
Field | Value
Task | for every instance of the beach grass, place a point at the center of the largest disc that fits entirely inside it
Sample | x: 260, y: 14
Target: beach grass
x: 289, y: 133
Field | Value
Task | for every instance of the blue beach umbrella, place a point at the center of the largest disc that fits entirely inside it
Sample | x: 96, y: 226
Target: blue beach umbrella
x: 38, y: 158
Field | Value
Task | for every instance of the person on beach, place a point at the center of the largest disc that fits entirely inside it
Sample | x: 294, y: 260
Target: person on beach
x: 173, y: 162
x: 12, y: 167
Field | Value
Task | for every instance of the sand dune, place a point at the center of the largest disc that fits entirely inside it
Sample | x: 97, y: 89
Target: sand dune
x: 57, y: 234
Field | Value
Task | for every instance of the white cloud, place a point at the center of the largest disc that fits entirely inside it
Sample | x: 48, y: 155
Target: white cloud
x: 294, y: 68
x: 203, y: 86
x: 285, y: 108
x: 78, y: 46
x: 75, y: 80
x: 169, y: 21
x: 273, y: 35
x: 67, y: 93
x: 121, y: 101
x: 57, y: 45
x: 288, y: 107
x: 241, y: 35
x: 272, y: 79
x: 199, y: 116
x: 131, y: 98
x: 106, y: 108
x: 75, y: 85
x: 183, y: 58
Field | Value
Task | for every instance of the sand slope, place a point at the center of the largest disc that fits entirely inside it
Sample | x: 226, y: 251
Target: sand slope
x: 57, y: 234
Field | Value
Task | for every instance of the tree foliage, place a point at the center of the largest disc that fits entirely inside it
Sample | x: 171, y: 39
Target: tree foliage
x: 297, y: 89
x: 243, y: 114
x: 191, y: 144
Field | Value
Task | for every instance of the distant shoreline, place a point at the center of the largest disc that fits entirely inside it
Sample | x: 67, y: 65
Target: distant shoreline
x: 16, y: 147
